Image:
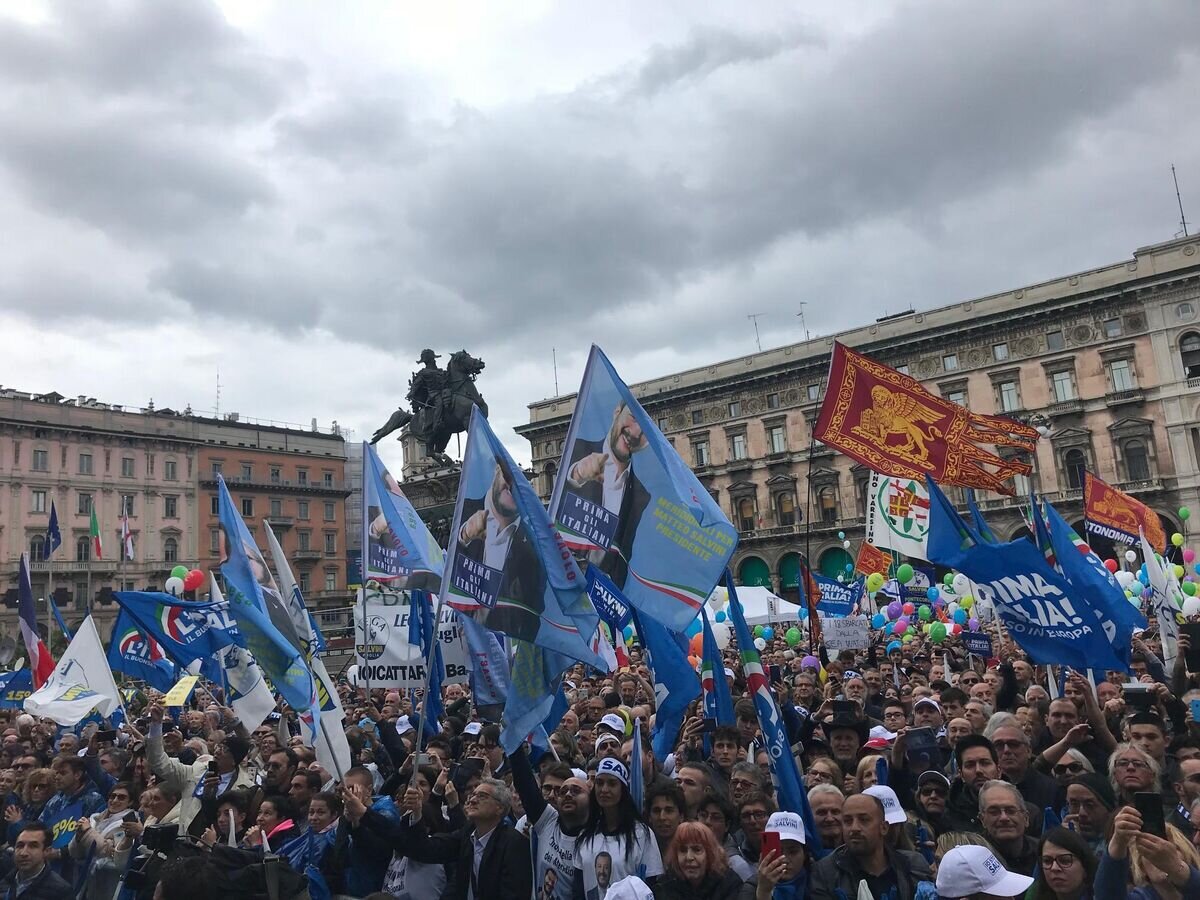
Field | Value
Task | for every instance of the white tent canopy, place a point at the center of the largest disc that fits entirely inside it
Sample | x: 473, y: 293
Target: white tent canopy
x: 760, y: 605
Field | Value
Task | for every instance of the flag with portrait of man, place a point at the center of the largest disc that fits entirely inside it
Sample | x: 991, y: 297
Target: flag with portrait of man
x: 626, y: 501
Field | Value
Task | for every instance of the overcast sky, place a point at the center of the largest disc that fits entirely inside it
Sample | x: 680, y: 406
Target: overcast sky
x: 306, y: 194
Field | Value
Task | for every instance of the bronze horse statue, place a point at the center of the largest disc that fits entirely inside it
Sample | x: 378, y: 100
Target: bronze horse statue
x: 441, y: 403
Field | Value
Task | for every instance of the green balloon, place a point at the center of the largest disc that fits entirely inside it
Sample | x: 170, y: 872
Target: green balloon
x: 179, y: 572
x: 792, y: 637
x: 937, y: 632
x: 904, y: 574
x: 948, y: 579
x: 1185, y: 513
x: 1189, y: 588
x: 907, y: 638
x: 758, y: 630
x: 924, y: 613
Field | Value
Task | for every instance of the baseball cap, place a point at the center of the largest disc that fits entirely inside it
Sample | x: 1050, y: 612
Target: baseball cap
x: 615, y: 768
x: 893, y: 813
x: 403, y: 725
x: 933, y: 776
x: 928, y: 701
x: 607, y: 739
x: 473, y: 728
x: 789, y: 826
x: 876, y: 743
x: 971, y: 870
x: 629, y: 888
x: 880, y: 731
x: 579, y: 773
x: 613, y: 721
x: 728, y: 672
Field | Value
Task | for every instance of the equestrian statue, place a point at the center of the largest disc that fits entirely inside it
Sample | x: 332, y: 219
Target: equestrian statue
x: 441, y: 402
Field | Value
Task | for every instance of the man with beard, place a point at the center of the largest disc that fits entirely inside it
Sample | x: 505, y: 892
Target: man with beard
x: 601, y: 473
x: 491, y: 534
x: 866, y: 856
x: 556, y: 812
x: 1090, y: 807
x: 977, y: 765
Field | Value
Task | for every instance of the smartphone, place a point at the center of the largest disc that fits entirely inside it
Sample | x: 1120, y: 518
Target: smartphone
x: 1196, y: 711
x: 709, y: 726
x: 1137, y: 696
x: 424, y: 759
x: 1149, y: 807
x: 776, y: 673
x: 212, y: 767
x: 920, y: 740
x: 845, y: 708
x: 1192, y: 658
x: 770, y: 841
x: 109, y: 736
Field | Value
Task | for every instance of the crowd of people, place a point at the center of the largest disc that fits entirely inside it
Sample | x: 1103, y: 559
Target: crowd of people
x: 928, y: 774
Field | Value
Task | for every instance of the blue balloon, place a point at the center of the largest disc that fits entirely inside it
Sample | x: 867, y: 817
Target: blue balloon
x: 628, y: 633
x: 768, y: 632
x: 721, y: 616
x: 803, y: 613
x: 960, y: 616
x: 841, y: 535
x: 932, y: 593
x: 849, y: 567
x: 878, y: 620
x: 694, y: 628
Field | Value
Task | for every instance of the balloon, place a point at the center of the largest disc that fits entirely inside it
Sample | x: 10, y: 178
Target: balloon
x: 960, y: 617
x: 892, y: 647
x: 1130, y: 556
x: 952, y: 607
x: 973, y: 624
x: 1112, y: 565
x: 845, y: 545
x: 849, y: 567
x: 932, y: 594
x: 1189, y: 555
x: 908, y: 609
x: 874, y: 582
x: 760, y: 644
x: 841, y: 535
x: 948, y: 579
x: 1189, y: 588
x: 1179, y: 570
x: 908, y: 639
x: 723, y: 634
x: 810, y: 662
x: 961, y: 583
x: 697, y: 645
x: 924, y: 613
x: 174, y: 585
x: 1185, y: 513
x: 695, y: 628
x: 352, y: 675
x: 901, y: 624
x: 893, y: 610
x: 721, y: 617
x: 1083, y: 548
x: 194, y: 579
x: 179, y: 572
x: 628, y: 632
x: 768, y: 632
x: 937, y: 632
x: 1125, y: 578
x: 792, y: 636
x: 966, y: 602
x: 904, y: 574
x: 1191, y: 606
x: 1177, y: 539
x: 758, y: 630
x: 957, y: 629
x: 878, y: 620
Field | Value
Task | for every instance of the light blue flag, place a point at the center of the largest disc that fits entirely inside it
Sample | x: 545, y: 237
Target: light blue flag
x: 421, y: 633
x: 718, y: 702
x: 627, y: 500
x: 489, y: 663
x: 637, y: 778
x: 675, y: 681
x: 507, y: 566
x: 397, y: 546
x: 263, y: 619
x: 58, y: 617
x: 532, y: 693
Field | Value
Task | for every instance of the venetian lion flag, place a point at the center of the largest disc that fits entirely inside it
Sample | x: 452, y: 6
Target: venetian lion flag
x: 1117, y: 516
x: 891, y: 424
x: 872, y: 559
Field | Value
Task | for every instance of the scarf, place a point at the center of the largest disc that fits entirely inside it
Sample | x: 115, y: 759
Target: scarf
x: 796, y: 889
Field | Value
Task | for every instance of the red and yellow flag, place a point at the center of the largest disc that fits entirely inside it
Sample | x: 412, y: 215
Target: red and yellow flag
x: 891, y: 424
x: 872, y: 559
x: 1118, y: 516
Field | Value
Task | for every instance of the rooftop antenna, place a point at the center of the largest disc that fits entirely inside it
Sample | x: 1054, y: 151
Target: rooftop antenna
x: 1179, y: 200
x: 218, y: 409
x: 554, y: 357
x: 753, y: 317
x: 803, y: 324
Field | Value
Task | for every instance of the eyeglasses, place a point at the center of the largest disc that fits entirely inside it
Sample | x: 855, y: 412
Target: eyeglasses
x: 754, y: 815
x: 742, y: 783
x: 1130, y: 764
x: 931, y: 790
x: 1062, y: 861
x: 997, y: 811
x: 817, y: 773
x: 1008, y: 745
x: 571, y: 790
x: 478, y: 795
x: 1069, y: 769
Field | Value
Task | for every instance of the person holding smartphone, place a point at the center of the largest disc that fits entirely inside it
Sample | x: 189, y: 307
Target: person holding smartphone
x: 1145, y: 866
x: 102, y: 838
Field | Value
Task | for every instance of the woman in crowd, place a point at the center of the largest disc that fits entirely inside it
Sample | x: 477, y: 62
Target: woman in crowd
x: 823, y: 770
x: 866, y: 775
x: 101, y: 837
x: 275, y: 831
x: 696, y: 867
x: 1066, y: 867
x: 38, y: 788
x: 782, y: 874
x: 1140, y: 866
x: 615, y: 842
x: 721, y: 818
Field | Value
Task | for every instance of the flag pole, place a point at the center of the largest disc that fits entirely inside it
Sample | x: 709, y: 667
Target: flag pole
x: 437, y: 624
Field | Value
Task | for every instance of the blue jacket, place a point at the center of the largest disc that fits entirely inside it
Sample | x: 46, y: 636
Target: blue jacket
x: 368, y: 862
x: 1112, y: 882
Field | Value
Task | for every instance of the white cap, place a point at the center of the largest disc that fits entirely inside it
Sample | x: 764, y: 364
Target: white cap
x: 579, y: 773
x: 613, y: 721
x: 969, y: 869
x: 893, y: 812
x: 607, y: 739
x: 629, y: 888
x: 403, y: 725
x: 615, y: 768
x: 729, y: 672
x: 789, y: 826
x: 880, y: 731
x: 473, y: 728
x: 928, y: 701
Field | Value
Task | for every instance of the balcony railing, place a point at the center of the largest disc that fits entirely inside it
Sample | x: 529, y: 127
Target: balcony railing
x: 1120, y: 398
x: 71, y: 565
x: 281, y: 521
x: 268, y: 484
x: 1065, y: 407
x: 307, y: 555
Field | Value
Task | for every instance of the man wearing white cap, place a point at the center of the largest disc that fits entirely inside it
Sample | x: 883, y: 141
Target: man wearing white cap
x: 867, y: 858
x: 974, y: 873
x: 783, y: 872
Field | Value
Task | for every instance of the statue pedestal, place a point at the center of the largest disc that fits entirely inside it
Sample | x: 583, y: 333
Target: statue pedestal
x: 415, y: 460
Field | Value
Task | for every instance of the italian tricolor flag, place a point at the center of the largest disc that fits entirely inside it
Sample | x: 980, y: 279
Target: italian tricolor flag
x: 95, y: 532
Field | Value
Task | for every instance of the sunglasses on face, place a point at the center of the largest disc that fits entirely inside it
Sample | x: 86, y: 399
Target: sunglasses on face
x: 1069, y: 769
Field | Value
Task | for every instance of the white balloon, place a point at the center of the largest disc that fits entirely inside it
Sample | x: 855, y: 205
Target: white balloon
x: 175, y: 586
x: 1191, y: 606
x: 961, y: 583
x: 952, y: 607
x: 845, y: 545
x: 352, y: 675
x: 760, y: 644
x: 1130, y: 556
x: 1125, y: 578
x: 723, y: 634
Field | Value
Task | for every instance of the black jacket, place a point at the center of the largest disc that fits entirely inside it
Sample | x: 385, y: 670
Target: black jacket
x: 505, y: 872
x: 840, y: 871
x: 46, y: 886
x: 713, y: 887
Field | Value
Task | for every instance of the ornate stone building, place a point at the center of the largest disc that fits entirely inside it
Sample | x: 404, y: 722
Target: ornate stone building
x: 1107, y: 360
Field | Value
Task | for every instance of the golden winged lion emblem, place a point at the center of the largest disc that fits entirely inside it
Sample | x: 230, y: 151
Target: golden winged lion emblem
x: 893, y: 413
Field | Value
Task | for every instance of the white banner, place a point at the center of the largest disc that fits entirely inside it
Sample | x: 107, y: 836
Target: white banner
x: 898, y: 515
x: 845, y: 633
x: 386, y: 659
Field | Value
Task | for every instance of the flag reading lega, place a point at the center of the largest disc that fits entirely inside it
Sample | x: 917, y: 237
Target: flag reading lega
x: 626, y: 500
x: 386, y: 659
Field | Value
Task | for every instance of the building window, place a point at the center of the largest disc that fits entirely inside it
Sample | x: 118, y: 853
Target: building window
x: 697, y: 416
x: 1054, y: 340
x: 1185, y: 311
x: 170, y: 507
x: 700, y: 453
x: 83, y: 549
x: 276, y: 475
x: 331, y: 579
x: 999, y: 352
x: 1121, y: 373
x: 217, y: 468
x: 328, y: 479
x: 305, y: 583
x: 1010, y: 396
x: 1137, y: 461
x: 772, y: 401
x: 276, y: 509
x: 1112, y: 328
x: 330, y: 510
x: 170, y: 470
x: 737, y: 446
x: 1062, y: 387
x: 127, y: 504
x: 37, y: 547
x: 170, y: 550
x: 214, y: 505
x: 85, y: 464
x: 745, y: 514
x: 41, y: 460
x: 247, y: 472
x: 735, y: 408
x: 661, y: 421
x: 214, y: 541
x: 827, y: 502
x: 902, y: 369
x: 785, y: 509
x: 126, y: 466
x: 85, y: 505
x: 305, y: 539
x: 814, y: 392
x: 302, y: 509
x: 330, y: 543
x: 302, y: 476
x: 247, y: 506
x: 777, y: 438
x: 958, y: 396
x: 1189, y: 353
x: 37, y: 501
x: 950, y: 362
x: 1075, y: 463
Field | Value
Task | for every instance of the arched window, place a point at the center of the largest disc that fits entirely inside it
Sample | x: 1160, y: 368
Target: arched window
x: 1189, y: 354
x: 745, y: 511
x: 549, y: 472
x: 170, y: 550
x: 1075, y: 463
x: 754, y: 571
x: 827, y: 503
x: 37, y: 547
x: 1137, y: 461
x: 83, y: 549
x: 785, y: 508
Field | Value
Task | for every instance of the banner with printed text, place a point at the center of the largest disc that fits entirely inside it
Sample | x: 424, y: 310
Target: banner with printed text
x: 1119, y: 517
x: 898, y: 515
x: 386, y: 659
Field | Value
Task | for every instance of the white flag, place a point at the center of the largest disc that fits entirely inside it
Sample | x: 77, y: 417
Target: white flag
x: 81, y: 682
x: 333, y: 750
x: 898, y: 515
x: 1165, y: 588
x: 248, y: 695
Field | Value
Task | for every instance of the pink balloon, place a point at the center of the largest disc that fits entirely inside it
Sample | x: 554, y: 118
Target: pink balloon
x: 901, y: 624
x: 1189, y: 555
